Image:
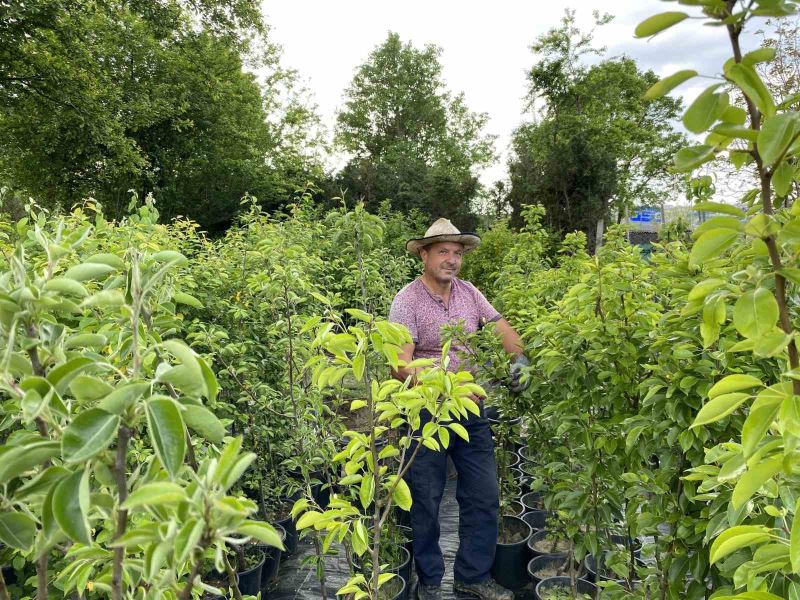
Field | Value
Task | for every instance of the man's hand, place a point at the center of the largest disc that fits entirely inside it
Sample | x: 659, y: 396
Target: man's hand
x: 516, y: 374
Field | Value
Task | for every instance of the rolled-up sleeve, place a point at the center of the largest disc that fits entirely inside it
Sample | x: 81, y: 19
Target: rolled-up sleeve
x: 402, y: 311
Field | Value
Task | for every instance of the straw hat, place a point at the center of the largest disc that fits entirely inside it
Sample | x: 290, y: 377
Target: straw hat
x: 443, y: 231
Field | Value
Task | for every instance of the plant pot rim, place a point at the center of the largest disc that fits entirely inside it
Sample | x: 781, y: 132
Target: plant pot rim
x: 555, y: 581
x: 257, y: 566
x: 524, y: 541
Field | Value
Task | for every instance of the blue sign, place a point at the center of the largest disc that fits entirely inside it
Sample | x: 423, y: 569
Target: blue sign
x: 647, y: 215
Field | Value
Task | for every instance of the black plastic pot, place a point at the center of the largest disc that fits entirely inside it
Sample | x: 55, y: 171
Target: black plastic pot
x: 528, y: 455
x: 538, y: 536
x: 532, y: 501
x: 550, y: 560
x: 537, y: 519
x: 399, y: 586
x: 219, y: 577
x: 290, y: 543
x: 593, y: 576
x: 584, y: 587
x: 514, y: 509
x: 403, y: 569
x: 625, y: 542
x: 522, y: 479
x: 511, y: 459
x: 272, y: 562
x: 9, y: 575
x: 511, y: 559
x: 250, y: 580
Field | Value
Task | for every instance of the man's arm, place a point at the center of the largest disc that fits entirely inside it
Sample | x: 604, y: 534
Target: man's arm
x: 512, y: 343
x: 406, y: 355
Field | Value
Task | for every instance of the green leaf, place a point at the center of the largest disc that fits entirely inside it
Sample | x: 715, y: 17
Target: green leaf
x: 719, y: 207
x: 188, y: 299
x: 87, y: 388
x: 794, y: 544
x: 86, y: 340
x: 66, y: 286
x: 704, y: 288
x: 755, y: 313
x: 734, y: 115
x: 718, y: 408
x: 359, y: 314
x: 776, y: 135
x: 658, y: 23
x: 402, y: 495
x: 782, y: 178
x: 204, y: 422
x: 756, y: 476
x: 733, y: 383
x: 159, y: 493
x: 309, y: 519
x: 366, y: 490
x: 705, y: 110
x: 112, y: 260
x: 104, y: 299
x: 71, y: 506
x: 263, y: 532
x: 758, y: 56
x: 667, y: 84
x: 359, y: 364
x: 88, y: 434
x: 88, y: 271
x: 688, y: 159
x: 167, y: 433
x: 118, y: 401
x: 750, y: 83
x: 19, y: 459
x: 17, y: 530
x: 711, y: 244
x: 170, y: 256
x: 459, y: 430
x: 731, y: 540
x: 762, y: 414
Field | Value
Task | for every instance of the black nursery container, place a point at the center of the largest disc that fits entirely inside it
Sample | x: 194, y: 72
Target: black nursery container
x: 584, y: 587
x: 511, y: 559
x: 537, y: 519
x: 549, y: 561
x: 538, y: 536
x: 272, y: 562
x: 290, y: 543
x: 250, y: 580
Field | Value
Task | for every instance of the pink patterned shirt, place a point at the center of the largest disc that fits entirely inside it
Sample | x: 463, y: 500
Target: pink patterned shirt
x: 424, y: 313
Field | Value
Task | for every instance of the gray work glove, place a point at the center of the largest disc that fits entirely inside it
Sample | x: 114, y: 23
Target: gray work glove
x: 515, y: 385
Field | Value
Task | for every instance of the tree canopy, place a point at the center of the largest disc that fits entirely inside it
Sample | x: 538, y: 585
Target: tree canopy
x: 595, y: 144
x: 411, y: 140
x: 98, y: 98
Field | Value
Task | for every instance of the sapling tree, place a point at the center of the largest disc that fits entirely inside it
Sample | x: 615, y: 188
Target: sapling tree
x: 758, y: 543
x: 365, y: 351
x: 102, y: 407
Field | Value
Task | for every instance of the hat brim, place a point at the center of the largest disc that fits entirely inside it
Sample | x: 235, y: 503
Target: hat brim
x: 470, y: 241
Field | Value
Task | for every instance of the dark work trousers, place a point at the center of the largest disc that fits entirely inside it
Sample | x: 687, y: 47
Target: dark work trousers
x: 478, y: 504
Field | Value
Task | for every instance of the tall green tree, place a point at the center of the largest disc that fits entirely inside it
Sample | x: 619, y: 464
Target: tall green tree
x: 410, y: 139
x: 100, y: 97
x: 595, y: 146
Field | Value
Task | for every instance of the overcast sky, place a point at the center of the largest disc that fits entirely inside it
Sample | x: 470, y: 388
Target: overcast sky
x: 485, y: 46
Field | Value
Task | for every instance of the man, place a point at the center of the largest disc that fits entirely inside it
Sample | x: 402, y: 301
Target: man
x: 423, y: 306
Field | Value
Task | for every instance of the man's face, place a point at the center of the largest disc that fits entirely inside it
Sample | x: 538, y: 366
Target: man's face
x: 442, y: 260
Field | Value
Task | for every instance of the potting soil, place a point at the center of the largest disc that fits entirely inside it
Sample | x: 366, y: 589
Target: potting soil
x: 298, y: 580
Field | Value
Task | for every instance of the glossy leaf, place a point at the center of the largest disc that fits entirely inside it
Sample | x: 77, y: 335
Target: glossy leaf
x: 167, y: 433
x: 89, y: 433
